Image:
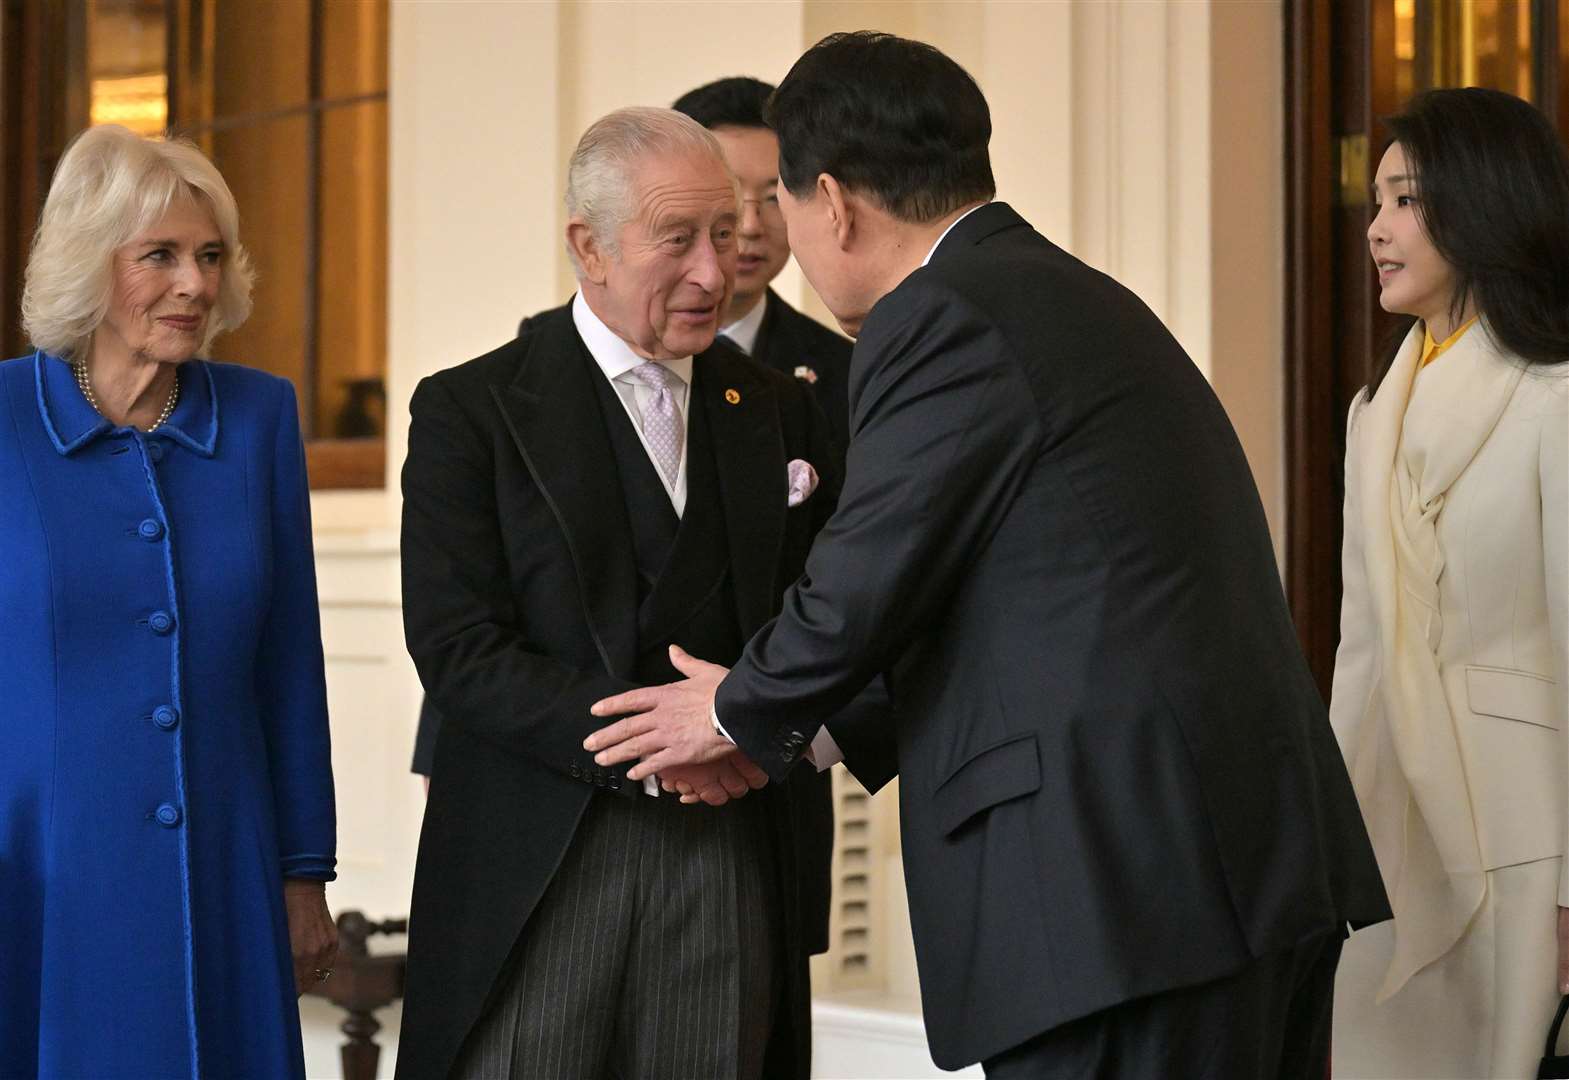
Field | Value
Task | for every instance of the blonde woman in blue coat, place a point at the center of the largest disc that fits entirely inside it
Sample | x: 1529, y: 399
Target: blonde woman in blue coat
x: 166, y: 801
x: 1449, y: 684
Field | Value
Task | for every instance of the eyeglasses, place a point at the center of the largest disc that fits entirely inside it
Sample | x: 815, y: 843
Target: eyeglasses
x: 766, y: 207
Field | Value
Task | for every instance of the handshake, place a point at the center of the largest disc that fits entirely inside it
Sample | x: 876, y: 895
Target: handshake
x: 672, y: 733
x: 672, y: 730
x: 716, y: 782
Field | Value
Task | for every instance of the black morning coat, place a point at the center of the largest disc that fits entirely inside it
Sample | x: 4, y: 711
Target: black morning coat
x: 1117, y: 777
x: 521, y: 610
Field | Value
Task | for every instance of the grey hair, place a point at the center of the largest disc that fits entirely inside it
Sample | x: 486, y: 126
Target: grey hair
x: 600, y: 187
x: 110, y: 185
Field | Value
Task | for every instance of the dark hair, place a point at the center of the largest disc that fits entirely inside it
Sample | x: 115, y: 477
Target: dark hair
x: 736, y: 101
x: 889, y: 118
x: 1492, y: 184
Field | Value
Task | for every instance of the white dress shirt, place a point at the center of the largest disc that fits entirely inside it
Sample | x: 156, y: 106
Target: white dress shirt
x: 616, y: 360
x: 948, y: 230
x: 744, y: 330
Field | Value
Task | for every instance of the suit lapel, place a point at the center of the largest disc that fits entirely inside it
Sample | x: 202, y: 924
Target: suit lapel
x: 749, y: 455
x: 554, y: 417
x: 765, y: 349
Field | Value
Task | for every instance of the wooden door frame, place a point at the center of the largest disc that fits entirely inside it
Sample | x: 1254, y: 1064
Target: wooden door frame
x: 37, y: 115
x: 1312, y: 436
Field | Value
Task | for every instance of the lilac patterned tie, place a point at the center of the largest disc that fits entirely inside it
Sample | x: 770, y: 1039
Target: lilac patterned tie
x: 662, y: 417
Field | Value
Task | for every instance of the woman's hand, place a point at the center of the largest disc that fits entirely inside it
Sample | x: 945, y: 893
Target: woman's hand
x: 313, y: 938
x: 1563, y: 950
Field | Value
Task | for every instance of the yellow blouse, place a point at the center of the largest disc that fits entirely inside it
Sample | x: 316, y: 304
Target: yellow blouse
x: 1432, y: 350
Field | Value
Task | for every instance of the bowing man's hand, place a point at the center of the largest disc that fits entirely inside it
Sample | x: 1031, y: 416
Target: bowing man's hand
x: 715, y: 783
x: 669, y: 725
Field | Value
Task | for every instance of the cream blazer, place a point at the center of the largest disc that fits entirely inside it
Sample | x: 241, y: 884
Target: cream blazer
x: 1502, y: 642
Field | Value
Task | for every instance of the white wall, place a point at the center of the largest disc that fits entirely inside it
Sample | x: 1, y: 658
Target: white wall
x: 1143, y: 136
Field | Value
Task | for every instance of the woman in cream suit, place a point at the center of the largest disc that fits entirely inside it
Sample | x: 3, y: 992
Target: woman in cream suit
x: 1449, y: 685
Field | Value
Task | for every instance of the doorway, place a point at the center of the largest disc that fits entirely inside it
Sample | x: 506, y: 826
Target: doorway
x: 289, y: 99
x: 1349, y: 63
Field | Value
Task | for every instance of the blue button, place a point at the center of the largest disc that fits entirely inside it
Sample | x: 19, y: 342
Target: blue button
x: 166, y: 717
x: 155, y: 451
x: 160, y: 622
x: 150, y: 530
x: 168, y: 815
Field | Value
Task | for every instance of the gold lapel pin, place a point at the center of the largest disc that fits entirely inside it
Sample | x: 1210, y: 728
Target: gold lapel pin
x: 733, y: 396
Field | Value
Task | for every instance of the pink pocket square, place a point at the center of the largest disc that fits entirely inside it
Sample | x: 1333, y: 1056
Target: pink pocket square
x: 803, y: 481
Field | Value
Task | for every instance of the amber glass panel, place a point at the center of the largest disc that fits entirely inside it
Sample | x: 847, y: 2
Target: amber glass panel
x: 1405, y: 68
x: 126, y: 64
x: 351, y: 343
x: 1495, y: 46
x: 265, y: 165
x: 1462, y: 43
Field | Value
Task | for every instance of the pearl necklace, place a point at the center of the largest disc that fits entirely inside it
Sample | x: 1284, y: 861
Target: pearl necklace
x: 86, y: 384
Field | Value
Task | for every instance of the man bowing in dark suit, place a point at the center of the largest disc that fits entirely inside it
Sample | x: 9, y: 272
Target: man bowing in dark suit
x: 1130, y: 845
x: 757, y: 321
x: 576, y: 502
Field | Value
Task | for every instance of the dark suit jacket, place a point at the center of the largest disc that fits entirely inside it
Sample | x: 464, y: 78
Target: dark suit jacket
x: 425, y: 739
x: 788, y: 340
x: 520, y: 610
x: 1116, y: 775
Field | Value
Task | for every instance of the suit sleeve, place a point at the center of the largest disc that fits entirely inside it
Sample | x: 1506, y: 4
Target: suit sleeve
x: 1356, y: 658
x: 862, y: 729
x: 864, y: 733
x: 425, y: 739
x: 946, y: 429
x: 291, y: 684
x: 459, y: 620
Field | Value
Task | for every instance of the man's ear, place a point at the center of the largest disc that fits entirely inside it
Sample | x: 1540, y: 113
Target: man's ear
x: 587, y: 250
x: 841, y: 214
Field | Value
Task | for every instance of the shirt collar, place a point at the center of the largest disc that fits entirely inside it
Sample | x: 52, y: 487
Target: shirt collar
x: 1432, y: 350
x: 613, y: 355
x: 948, y: 230
x: 72, y: 423
x: 744, y: 330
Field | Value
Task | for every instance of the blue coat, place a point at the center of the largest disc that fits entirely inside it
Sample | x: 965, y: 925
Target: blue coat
x: 164, y: 759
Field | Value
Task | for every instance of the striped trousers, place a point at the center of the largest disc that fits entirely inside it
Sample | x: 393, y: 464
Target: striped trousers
x: 651, y: 954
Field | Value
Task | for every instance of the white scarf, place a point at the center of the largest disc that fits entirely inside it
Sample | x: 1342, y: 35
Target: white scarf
x: 1415, y: 439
